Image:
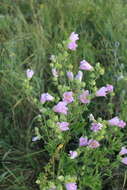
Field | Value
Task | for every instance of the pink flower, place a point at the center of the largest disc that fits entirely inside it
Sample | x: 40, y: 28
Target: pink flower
x: 29, y: 73
x: 74, y: 37
x: 93, y: 143
x: 55, y: 73
x: 117, y: 122
x: 83, y: 141
x: 84, y: 65
x: 96, y: 127
x: 46, y: 97
x: 61, y: 108
x: 70, y: 75
x: 83, y: 97
x: 79, y: 76
x: 124, y: 160
x: 102, y: 92
x: 109, y: 88
x: 121, y: 124
x: 63, y: 126
x: 123, y: 151
x: 73, y: 154
x: 114, y: 121
x: 72, y: 46
x: 71, y: 186
x: 68, y: 97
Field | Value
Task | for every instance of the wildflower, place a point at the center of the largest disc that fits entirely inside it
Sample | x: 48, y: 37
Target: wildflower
x: 96, y: 127
x: 121, y: 124
x: 46, y: 97
x: 124, y: 160
x: 71, y: 186
x: 91, y: 117
x: 117, y: 122
x: 83, y: 97
x: 84, y: 65
x: 29, y: 73
x: 72, y: 46
x: 68, y: 97
x: 35, y: 138
x: 54, y: 72
x: 114, y: 121
x: 74, y: 37
x: 61, y: 108
x: 73, y: 154
x: 123, y: 151
x: 63, y: 126
x: 93, y: 143
x: 70, y: 75
x: 109, y: 88
x: 79, y: 76
x: 102, y: 92
x: 83, y: 141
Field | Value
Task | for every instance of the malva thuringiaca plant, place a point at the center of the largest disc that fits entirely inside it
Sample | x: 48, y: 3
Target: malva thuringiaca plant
x: 81, y: 150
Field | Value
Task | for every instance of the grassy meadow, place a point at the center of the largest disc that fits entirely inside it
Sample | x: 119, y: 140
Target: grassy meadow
x: 30, y: 32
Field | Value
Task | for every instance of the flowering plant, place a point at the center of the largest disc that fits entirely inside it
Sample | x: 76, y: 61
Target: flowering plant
x: 82, y: 150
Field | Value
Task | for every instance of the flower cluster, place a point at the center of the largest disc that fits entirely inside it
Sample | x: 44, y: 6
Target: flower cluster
x: 90, y: 143
x: 115, y: 121
x: 72, y: 98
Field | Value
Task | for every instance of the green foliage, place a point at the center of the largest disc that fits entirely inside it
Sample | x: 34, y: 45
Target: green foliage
x: 91, y: 165
x: 29, y: 33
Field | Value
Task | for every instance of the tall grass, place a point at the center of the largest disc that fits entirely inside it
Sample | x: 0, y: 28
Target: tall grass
x: 29, y: 33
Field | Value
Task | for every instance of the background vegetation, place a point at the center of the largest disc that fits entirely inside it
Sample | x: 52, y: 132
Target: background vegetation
x: 29, y: 33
